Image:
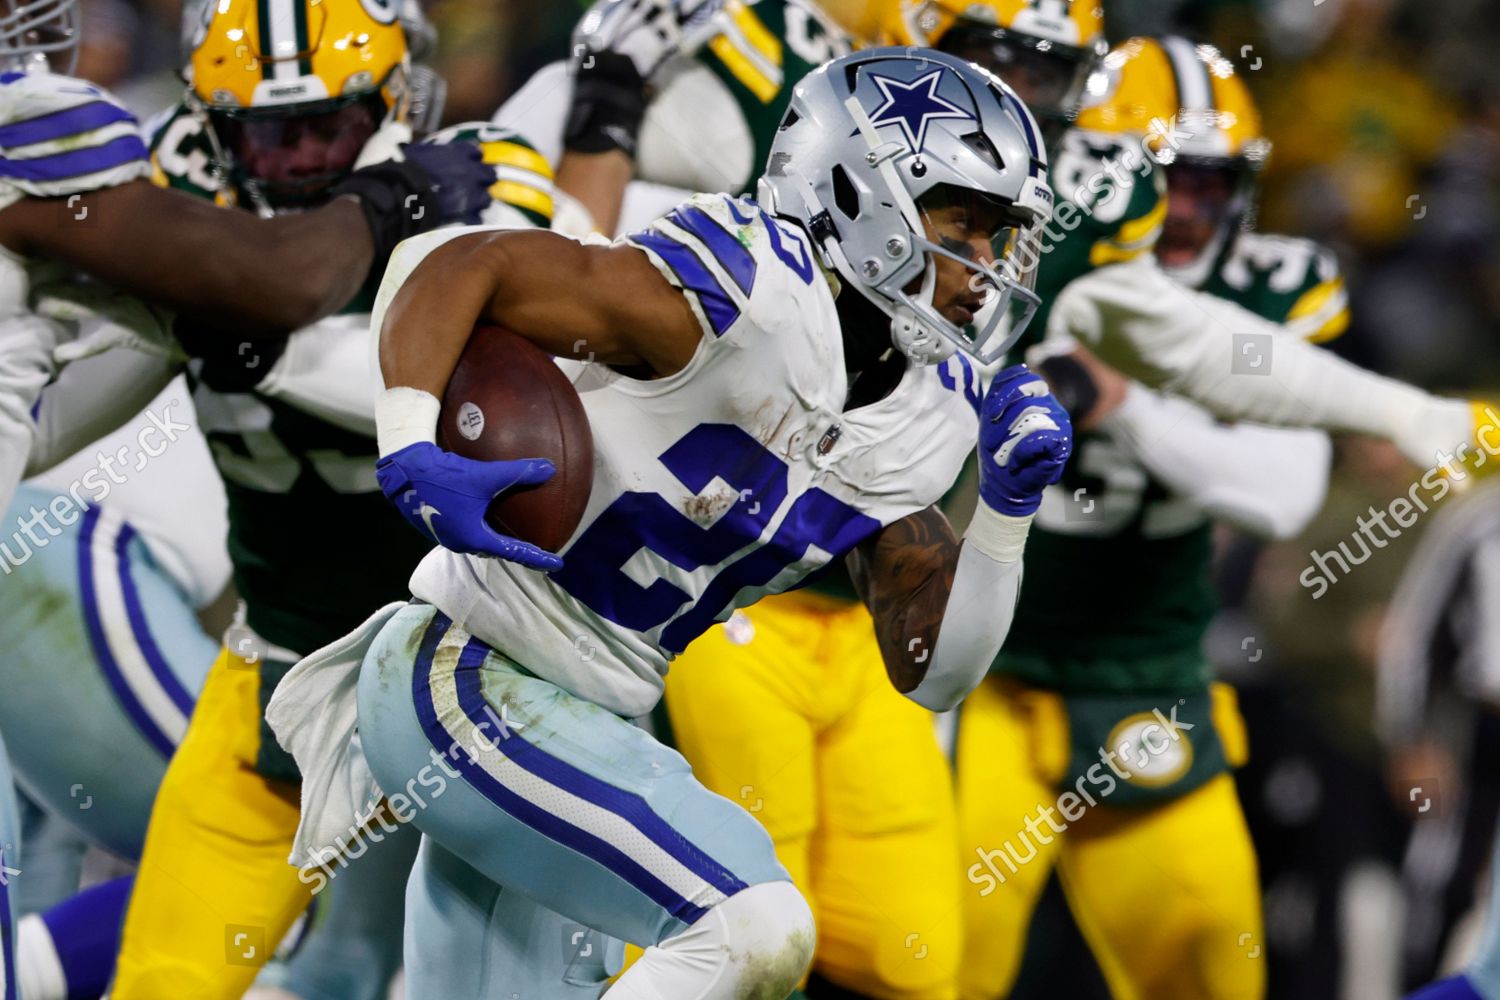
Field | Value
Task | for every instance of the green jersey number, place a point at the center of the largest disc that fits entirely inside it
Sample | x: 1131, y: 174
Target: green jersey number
x: 249, y: 451
x: 1285, y: 263
x: 1098, y: 173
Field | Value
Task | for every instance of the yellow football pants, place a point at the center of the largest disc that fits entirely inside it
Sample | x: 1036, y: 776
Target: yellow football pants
x: 214, y: 893
x: 1166, y: 895
x: 798, y: 723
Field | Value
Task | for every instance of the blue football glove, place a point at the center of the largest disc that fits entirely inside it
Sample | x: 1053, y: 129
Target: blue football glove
x: 1025, y: 438
x: 445, y: 497
x: 1457, y: 988
x: 460, y: 179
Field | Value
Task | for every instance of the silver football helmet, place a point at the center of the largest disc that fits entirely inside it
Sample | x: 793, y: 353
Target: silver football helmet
x: 39, y: 34
x: 865, y: 139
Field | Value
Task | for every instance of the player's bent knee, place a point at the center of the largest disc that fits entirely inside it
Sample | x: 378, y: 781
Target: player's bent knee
x: 772, y: 926
x: 754, y: 945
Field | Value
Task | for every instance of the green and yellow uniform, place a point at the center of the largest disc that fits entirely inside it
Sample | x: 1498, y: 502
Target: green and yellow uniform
x: 1107, y: 642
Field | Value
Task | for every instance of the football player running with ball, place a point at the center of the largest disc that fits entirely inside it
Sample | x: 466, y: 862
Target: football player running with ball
x: 787, y: 707
x: 767, y: 397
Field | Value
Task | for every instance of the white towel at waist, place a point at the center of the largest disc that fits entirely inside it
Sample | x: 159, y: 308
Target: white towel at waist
x: 314, y: 713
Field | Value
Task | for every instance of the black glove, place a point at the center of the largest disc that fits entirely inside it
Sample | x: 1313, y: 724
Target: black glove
x: 433, y: 186
x: 1071, y: 383
x: 609, y: 101
x: 223, y: 363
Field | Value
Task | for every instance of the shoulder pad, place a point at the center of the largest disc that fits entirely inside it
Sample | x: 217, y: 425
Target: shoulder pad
x: 62, y: 136
x: 524, y: 177
x: 720, y: 250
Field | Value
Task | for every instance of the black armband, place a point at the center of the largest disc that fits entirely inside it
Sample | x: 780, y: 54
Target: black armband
x: 398, y: 202
x: 609, y: 101
x: 1071, y: 383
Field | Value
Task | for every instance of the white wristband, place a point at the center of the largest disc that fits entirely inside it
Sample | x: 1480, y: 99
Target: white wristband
x: 405, y: 416
x: 999, y: 536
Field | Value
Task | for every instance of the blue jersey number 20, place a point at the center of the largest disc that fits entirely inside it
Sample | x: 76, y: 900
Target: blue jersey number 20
x: 595, y: 570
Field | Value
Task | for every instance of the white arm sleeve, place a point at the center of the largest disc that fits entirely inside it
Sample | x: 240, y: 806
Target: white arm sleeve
x: 1239, y: 367
x: 94, y: 397
x: 326, y: 371
x: 1266, y: 480
x: 26, y: 344
x: 980, y: 608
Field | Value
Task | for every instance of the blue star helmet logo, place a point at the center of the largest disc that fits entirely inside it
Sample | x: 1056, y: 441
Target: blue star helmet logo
x: 913, y: 105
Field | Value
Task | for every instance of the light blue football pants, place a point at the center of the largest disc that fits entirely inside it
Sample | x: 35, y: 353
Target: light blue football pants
x: 102, y: 657
x: 542, y: 814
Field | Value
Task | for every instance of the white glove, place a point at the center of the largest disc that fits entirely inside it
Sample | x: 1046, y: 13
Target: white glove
x: 648, y: 32
x: 101, y: 319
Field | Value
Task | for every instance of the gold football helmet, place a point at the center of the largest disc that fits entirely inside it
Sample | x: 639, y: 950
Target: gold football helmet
x: 1198, y: 120
x: 1046, y: 50
x: 293, y: 89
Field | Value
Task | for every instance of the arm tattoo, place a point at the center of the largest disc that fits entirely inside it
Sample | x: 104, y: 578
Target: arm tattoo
x: 904, y: 574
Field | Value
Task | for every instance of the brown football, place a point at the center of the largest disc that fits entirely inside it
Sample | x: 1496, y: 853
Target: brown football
x: 507, y: 400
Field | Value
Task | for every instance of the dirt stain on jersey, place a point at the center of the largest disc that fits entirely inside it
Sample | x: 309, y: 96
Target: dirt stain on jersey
x: 707, y: 509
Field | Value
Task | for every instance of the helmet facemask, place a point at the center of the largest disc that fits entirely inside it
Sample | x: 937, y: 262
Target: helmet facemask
x: 39, y: 35
x: 1208, y: 202
x: 292, y: 101
x: 884, y: 153
x: 999, y: 301
x: 290, y: 157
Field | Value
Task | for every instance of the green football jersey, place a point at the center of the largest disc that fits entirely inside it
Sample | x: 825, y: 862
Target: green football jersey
x: 1118, y: 595
x: 1111, y: 202
x: 766, y: 48
x: 315, y: 545
x: 1286, y: 279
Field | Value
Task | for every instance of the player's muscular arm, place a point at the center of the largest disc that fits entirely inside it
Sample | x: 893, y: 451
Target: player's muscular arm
x: 942, y: 610
x: 904, y: 574
x: 1235, y: 364
x: 246, y: 274
x: 547, y: 288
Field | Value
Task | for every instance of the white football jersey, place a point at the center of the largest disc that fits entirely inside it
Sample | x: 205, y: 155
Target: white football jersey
x: 734, y: 478
x: 60, y: 137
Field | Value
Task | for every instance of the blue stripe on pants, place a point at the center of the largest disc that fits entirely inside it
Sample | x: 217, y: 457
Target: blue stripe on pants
x: 100, y: 643
x: 531, y: 758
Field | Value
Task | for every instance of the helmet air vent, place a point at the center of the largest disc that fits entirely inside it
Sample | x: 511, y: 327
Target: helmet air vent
x: 845, y: 197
